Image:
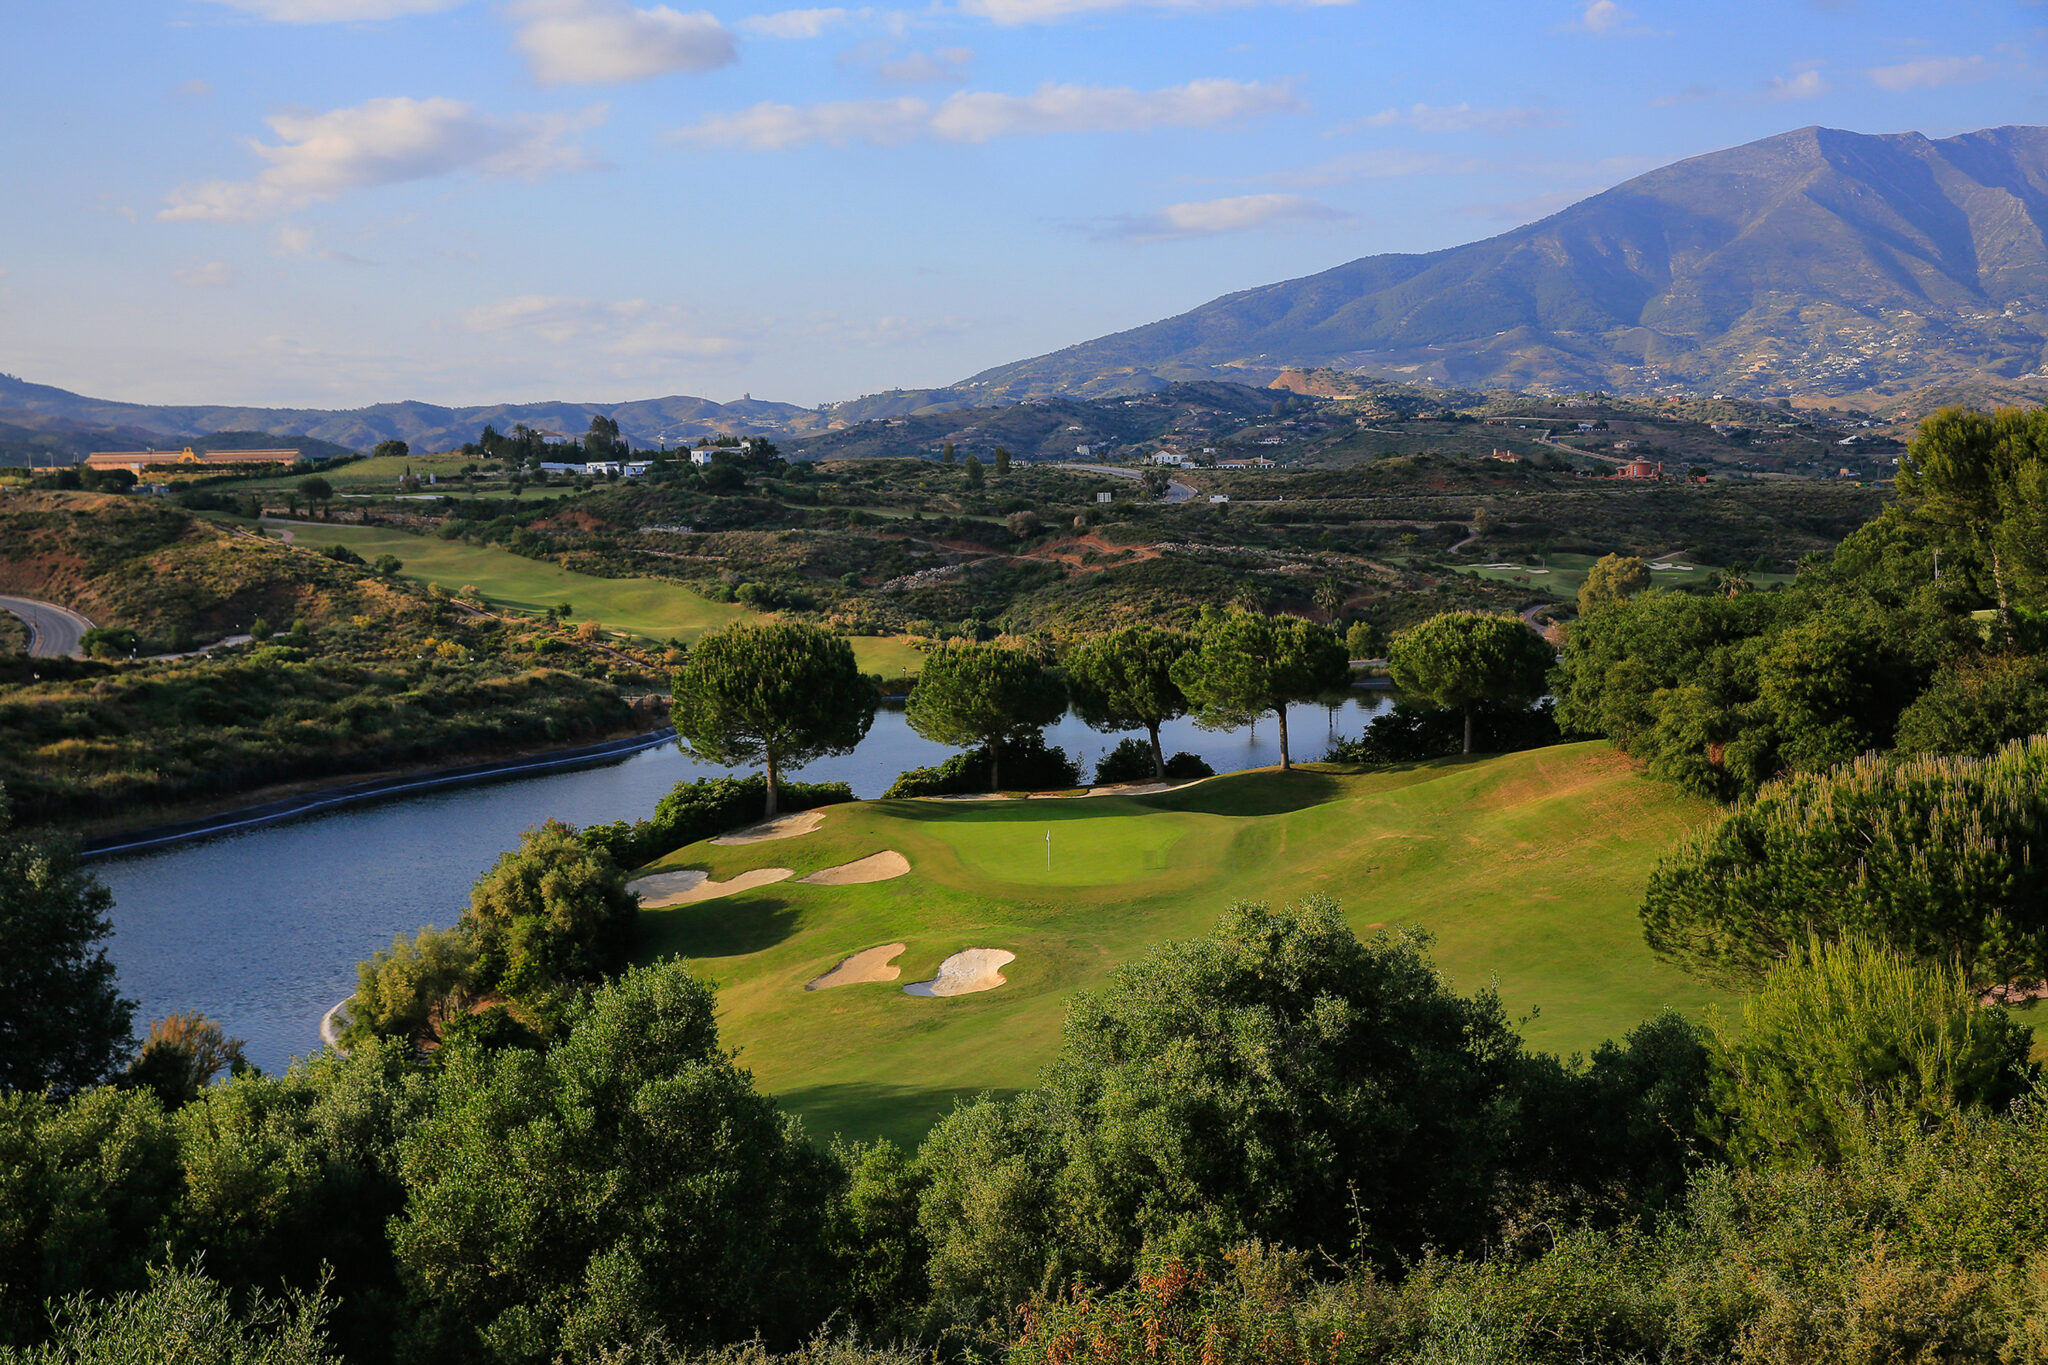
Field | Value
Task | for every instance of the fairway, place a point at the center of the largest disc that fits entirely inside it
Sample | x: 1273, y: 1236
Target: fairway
x: 1561, y: 575
x: 1526, y: 867
x: 646, y: 607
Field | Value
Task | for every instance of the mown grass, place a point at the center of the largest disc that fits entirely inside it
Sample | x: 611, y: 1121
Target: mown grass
x: 1527, y: 867
x: 1567, y: 572
x: 645, y: 607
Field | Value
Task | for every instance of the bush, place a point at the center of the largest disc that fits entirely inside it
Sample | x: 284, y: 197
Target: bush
x: 1027, y: 765
x: 341, y: 554
x: 110, y: 642
x: 698, y: 810
x: 1277, y: 1079
x: 1411, y: 734
x: 1131, y: 761
x: 1976, y: 707
x: 1851, y: 1037
x: 1932, y: 857
x: 404, y: 991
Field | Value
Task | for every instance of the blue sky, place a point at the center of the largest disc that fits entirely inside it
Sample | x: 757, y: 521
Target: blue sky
x: 338, y: 202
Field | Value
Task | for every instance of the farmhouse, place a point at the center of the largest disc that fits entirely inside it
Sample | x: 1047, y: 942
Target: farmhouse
x: 1640, y: 469
x: 139, y: 460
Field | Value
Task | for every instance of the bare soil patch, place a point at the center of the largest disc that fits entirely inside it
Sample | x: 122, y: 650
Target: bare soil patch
x: 781, y: 827
x: 870, y: 964
x: 965, y: 973
x: 667, y: 889
x: 876, y: 867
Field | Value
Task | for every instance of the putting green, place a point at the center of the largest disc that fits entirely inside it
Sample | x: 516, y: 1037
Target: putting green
x: 646, y: 607
x: 1527, y: 868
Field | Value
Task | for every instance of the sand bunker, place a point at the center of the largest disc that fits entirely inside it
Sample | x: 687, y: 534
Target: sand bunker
x: 666, y: 889
x: 871, y: 964
x: 781, y: 827
x: 876, y: 867
x: 965, y: 972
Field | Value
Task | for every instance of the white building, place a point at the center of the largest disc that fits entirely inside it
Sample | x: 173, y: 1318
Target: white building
x: 702, y: 457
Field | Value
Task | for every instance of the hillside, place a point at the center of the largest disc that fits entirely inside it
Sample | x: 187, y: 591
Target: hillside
x: 426, y: 426
x: 1527, y: 867
x: 1817, y: 262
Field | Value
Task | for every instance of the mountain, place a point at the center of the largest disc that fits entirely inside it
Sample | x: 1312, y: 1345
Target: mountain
x: 1818, y: 262
x: 424, y: 426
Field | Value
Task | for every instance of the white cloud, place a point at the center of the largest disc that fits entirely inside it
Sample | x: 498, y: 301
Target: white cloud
x: 1803, y: 86
x: 942, y: 66
x: 1048, y: 11
x: 794, y: 23
x: 631, y: 327
x: 1605, y: 16
x: 607, y: 41
x: 195, y: 89
x: 1460, y: 118
x: 212, y: 275
x: 1930, y: 73
x: 1209, y: 217
x: 978, y: 116
x: 336, y: 11
x: 383, y: 142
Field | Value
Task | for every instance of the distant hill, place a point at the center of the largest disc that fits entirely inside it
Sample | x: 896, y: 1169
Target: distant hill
x: 425, y: 426
x: 1814, y: 263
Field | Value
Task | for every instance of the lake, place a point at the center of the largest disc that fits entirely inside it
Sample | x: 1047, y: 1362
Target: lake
x: 262, y: 928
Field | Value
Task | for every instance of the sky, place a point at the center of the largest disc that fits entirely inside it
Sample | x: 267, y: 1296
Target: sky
x: 331, y: 203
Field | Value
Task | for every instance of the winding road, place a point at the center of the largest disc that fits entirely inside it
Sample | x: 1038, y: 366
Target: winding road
x: 54, y: 632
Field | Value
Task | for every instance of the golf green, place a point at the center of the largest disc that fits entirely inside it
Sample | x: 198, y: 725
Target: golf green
x: 1527, y: 868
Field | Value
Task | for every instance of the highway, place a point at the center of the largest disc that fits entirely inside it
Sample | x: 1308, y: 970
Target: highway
x: 53, y: 631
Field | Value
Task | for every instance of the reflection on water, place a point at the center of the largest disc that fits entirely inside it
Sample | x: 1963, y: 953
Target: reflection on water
x: 262, y: 929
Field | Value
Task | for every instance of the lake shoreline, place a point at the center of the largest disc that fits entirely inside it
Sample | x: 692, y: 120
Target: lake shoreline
x: 302, y: 798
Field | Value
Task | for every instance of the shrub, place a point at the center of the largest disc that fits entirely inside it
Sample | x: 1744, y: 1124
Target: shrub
x: 1930, y: 856
x: 110, y: 642
x: 1131, y: 761
x: 700, y: 809
x: 1029, y: 764
x: 1851, y: 1036
x: 404, y: 990
x: 1410, y: 734
x: 341, y: 554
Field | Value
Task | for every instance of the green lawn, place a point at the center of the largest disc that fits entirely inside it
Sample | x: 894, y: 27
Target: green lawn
x: 640, y: 606
x: 1527, y: 867
x: 1560, y: 575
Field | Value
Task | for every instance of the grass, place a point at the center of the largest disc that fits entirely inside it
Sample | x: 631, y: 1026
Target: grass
x: 1527, y: 867
x: 645, y: 607
x: 1567, y: 572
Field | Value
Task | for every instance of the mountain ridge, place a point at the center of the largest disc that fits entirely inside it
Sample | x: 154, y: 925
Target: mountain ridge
x: 1817, y: 261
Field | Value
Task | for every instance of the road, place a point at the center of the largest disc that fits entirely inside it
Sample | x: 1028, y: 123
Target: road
x: 53, y: 631
x: 1176, y: 491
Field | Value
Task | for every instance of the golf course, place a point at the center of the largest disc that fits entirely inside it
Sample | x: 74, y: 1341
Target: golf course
x: 647, y: 607
x: 1527, y: 868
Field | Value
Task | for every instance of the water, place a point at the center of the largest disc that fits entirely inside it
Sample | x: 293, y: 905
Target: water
x: 262, y: 928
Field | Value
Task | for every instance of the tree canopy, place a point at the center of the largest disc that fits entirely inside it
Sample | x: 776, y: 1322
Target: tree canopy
x: 1246, y: 664
x: 1464, y: 657
x: 549, y: 915
x: 1277, y: 1079
x: 983, y: 695
x: 1934, y: 857
x: 1124, y: 681
x: 781, y: 694
x: 63, y: 1021
x: 1613, y: 578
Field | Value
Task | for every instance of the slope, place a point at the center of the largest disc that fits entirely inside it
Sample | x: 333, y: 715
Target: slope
x: 1816, y: 261
x: 1527, y: 867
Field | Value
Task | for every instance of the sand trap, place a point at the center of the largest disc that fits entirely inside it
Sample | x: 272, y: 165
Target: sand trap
x: 666, y: 889
x: 781, y: 827
x: 876, y: 867
x: 871, y: 964
x: 965, y: 972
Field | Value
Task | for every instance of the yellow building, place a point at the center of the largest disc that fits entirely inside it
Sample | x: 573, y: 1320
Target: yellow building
x: 139, y: 460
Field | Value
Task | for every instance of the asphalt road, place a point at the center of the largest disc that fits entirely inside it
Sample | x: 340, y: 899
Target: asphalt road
x: 1176, y: 491
x: 53, y: 631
